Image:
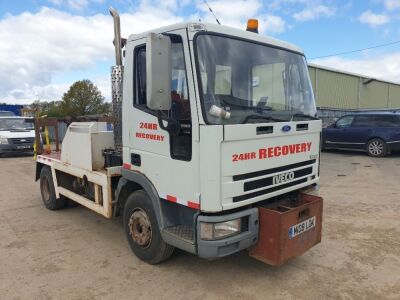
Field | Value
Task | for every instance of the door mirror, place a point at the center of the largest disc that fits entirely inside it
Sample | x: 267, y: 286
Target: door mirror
x: 158, y: 71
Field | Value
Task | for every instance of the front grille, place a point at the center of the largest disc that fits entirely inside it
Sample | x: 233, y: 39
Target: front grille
x: 270, y: 190
x: 18, y: 141
x: 273, y: 170
x: 264, y: 182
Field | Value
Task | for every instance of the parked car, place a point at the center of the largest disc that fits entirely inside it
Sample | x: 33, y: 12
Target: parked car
x: 6, y: 113
x: 17, y: 134
x: 376, y: 133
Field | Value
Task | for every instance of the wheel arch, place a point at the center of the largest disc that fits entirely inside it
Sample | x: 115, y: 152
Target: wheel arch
x: 376, y: 137
x: 39, y: 167
x: 132, y: 181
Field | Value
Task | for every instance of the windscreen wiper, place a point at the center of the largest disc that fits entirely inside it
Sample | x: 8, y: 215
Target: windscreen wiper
x: 268, y: 118
x: 301, y: 115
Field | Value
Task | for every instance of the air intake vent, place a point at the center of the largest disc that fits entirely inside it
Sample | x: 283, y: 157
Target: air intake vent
x: 302, y: 127
x: 265, y: 130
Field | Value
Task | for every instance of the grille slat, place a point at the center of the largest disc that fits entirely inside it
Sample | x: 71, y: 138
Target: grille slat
x: 273, y: 170
x: 265, y: 182
x: 18, y: 141
x: 267, y: 191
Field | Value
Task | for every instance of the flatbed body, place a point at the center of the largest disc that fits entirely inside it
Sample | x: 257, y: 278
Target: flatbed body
x: 101, y: 179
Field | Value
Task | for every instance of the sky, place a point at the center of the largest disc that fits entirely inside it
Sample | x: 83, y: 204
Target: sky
x: 46, y: 45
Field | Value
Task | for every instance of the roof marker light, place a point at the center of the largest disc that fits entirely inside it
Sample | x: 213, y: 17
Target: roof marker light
x: 252, y: 25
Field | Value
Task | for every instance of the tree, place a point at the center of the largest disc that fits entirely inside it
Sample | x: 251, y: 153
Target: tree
x: 83, y: 98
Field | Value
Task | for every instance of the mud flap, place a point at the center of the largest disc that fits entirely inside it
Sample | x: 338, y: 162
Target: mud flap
x: 288, y: 228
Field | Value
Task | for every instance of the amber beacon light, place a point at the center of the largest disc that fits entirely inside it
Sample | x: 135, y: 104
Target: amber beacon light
x: 252, y: 25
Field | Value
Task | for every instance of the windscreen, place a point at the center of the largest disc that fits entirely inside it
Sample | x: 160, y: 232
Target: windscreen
x: 16, y: 124
x: 246, y: 82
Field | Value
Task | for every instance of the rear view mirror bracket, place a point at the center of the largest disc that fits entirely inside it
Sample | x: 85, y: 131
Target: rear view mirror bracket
x: 173, y: 127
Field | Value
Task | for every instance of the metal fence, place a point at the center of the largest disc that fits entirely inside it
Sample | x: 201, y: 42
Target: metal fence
x: 330, y: 115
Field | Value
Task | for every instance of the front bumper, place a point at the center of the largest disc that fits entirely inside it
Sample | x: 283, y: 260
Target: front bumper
x: 11, y: 148
x: 219, y: 248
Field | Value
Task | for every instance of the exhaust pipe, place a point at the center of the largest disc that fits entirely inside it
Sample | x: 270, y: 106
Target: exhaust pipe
x: 117, y: 75
x: 117, y: 36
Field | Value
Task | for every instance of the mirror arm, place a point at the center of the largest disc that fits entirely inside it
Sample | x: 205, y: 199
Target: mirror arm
x: 160, y: 121
x: 173, y: 126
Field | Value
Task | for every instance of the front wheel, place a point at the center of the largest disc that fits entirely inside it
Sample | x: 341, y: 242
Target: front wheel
x: 142, y: 231
x: 377, y: 148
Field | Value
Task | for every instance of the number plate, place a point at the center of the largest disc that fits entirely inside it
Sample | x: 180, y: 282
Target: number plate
x: 302, y: 227
x: 24, y: 147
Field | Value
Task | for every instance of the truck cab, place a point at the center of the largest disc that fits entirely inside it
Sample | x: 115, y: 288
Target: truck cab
x: 209, y: 164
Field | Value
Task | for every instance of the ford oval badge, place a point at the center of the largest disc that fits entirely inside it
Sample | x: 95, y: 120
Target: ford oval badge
x: 286, y: 128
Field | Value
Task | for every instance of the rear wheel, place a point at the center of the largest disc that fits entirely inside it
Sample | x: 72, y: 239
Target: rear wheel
x: 377, y: 148
x: 142, y: 231
x: 48, y: 192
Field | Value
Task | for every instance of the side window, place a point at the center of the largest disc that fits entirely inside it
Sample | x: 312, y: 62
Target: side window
x: 180, y: 109
x: 386, y: 121
x: 345, y: 122
x: 363, y: 121
x: 181, y: 144
x: 140, y: 81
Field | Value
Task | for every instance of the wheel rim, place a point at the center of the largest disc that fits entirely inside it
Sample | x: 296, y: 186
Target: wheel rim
x: 140, y: 228
x: 45, y: 187
x: 376, y: 148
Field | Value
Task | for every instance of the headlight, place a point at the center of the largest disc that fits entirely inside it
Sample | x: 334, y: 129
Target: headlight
x: 215, y: 231
x: 3, y: 140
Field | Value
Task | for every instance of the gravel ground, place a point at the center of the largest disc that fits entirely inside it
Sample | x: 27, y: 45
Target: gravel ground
x: 77, y: 254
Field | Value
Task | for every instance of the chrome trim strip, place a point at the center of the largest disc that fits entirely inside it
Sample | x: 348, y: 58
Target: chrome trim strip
x: 329, y: 142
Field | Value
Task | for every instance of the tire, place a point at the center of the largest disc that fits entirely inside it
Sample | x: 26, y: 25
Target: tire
x: 48, y: 193
x: 142, y: 231
x: 377, y: 148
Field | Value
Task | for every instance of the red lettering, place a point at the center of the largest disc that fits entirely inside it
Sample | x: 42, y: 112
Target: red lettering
x: 149, y: 126
x: 292, y: 148
x: 262, y: 153
x: 270, y: 152
x: 285, y: 150
x: 234, y: 157
x: 277, y: 151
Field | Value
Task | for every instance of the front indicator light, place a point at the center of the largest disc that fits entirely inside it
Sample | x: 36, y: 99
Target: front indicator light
x: 216, y: 231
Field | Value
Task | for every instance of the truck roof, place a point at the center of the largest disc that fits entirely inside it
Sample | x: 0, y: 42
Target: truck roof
x: 244, y: 34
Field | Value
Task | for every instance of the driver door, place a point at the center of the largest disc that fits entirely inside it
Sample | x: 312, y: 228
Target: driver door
x: 165, y: 158
x: 338, y: 135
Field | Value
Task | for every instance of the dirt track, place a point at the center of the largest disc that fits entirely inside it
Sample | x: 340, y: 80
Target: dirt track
x: 76, y: 254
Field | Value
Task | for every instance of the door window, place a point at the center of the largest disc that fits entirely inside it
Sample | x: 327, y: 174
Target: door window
x: 181, y: 146
x: 363, y: 121
x: 345, y: 122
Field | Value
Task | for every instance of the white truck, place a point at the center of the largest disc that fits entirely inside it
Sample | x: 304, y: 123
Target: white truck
x: 16, y: 134
x: 215, y: 147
